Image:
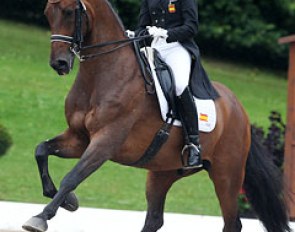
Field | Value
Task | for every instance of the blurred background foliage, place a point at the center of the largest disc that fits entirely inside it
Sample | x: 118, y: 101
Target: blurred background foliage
x: 243, y: 30
x: 247, y: 29
x: 5, y: 140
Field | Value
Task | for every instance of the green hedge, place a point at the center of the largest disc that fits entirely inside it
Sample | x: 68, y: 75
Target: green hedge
x: 239, y: 29
x: 246, y: 29
x: 5, y: 140
x: 28, y: 11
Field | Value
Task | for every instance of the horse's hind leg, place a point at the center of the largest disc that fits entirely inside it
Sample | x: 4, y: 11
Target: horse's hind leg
x: 227, y: 173
x: 66, y: 145
x: 157, y: 186
x: 227, y: 190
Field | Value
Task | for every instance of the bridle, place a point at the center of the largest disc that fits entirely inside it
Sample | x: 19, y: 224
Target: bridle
x: 77, y: 40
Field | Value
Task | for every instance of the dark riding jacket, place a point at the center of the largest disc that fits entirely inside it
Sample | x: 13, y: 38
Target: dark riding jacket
x: 180, y: 19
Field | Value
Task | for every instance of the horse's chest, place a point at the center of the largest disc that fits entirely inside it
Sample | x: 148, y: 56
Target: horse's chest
x: 77, y: 120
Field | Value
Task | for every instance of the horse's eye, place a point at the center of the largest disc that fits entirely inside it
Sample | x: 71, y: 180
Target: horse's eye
x: 68, y: 12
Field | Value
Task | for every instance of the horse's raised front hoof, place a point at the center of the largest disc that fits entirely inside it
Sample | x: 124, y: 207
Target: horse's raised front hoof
x: 71, y: 202
x: 35, y: 224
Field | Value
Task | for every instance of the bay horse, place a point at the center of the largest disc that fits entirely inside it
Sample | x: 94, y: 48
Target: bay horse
x: 111, y: 116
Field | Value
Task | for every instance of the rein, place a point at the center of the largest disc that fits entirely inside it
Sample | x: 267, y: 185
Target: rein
x: 77, y: 40
x: 122, y: 43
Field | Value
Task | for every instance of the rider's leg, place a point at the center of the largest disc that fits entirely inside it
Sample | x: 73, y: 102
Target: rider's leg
x: 179, y: 59
x: 188, y: 115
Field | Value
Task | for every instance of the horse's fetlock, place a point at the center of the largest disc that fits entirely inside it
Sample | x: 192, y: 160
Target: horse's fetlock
x: 51, y: 214
x: 49, y: 192
x: 152, y: 228
x: 153, y: 223
x: 47, y: 214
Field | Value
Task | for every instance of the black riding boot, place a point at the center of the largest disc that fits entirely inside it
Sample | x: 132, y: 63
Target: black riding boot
x: 189, y: 118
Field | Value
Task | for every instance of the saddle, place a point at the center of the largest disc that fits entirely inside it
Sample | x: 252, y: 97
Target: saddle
x: 161, y: 75
x: 164, y: 76
x: 158, y: 78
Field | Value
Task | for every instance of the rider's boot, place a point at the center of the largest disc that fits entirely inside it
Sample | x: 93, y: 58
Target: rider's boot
x: 188, y: 115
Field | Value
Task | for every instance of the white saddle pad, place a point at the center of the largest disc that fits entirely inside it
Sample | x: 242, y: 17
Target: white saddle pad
x: 206, y: 108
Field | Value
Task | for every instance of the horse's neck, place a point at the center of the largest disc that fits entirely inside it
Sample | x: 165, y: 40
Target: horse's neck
x: 115, y: 70
x: 106, y: 25
x: 109, y: 83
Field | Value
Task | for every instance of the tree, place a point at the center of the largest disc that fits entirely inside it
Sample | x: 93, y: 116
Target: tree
x: 239, y: 29
x: 245, y: 29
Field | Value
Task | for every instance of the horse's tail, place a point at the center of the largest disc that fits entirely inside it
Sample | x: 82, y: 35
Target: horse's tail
x: 264, y: 188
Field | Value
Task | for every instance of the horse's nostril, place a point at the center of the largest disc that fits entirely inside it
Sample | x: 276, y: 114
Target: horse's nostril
x: 62, y: 64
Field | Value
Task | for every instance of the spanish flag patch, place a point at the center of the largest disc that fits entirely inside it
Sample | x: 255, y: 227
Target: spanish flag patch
x: 171, y: 8
x: 203, y: 117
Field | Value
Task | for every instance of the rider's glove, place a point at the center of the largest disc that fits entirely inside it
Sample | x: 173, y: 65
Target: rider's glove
x: 157, y: 32
x: 130, y: 34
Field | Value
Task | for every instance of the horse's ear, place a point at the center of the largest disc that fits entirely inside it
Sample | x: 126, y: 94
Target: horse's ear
x: 53, y: 1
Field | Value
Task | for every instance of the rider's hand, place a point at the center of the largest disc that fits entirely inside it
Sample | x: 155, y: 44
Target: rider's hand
x: 130, y: 34
x: 157, y: 32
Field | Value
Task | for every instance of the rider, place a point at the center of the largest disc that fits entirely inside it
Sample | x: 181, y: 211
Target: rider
x: 173, y: 24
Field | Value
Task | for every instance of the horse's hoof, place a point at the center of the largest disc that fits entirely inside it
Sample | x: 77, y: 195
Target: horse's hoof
x: 71, y: 202
x: 35, y: 224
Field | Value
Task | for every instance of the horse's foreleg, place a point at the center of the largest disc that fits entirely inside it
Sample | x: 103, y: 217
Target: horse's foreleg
x: 157, y: 186
x: 42, y: 152
x: 91, y: 160
x: 64, y: 146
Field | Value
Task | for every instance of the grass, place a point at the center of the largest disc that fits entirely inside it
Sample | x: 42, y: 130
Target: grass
x: 31, y: 107
x: 259, y: 90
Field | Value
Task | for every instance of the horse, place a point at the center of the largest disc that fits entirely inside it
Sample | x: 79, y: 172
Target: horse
x: 111, y: 116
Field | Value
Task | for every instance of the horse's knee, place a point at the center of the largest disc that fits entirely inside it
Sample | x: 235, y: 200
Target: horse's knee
x: 41, y: 152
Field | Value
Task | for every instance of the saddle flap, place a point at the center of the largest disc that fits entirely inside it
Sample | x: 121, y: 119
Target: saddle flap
x: 206, y: 108
x: 165, y: 77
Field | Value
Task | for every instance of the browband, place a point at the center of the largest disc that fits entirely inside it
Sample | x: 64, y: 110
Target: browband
x: 53, y: 1
x: 57, y: 1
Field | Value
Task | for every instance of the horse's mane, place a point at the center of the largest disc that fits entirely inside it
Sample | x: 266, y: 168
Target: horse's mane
x: 115, y: 14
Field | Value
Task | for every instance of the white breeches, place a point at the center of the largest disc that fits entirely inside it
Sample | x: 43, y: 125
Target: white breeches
x: 178, y: 58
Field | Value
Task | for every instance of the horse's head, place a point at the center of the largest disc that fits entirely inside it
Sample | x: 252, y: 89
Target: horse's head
x: 68, y: 23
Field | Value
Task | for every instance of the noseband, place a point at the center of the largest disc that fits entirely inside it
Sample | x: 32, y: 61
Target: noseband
x: 77, y: 40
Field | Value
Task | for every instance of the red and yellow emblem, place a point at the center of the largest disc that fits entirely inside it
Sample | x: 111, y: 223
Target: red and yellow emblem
x: 203, y: 117
x: 171, y: 8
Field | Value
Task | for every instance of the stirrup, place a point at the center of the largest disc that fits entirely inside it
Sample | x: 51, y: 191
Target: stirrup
x: 186, y: 147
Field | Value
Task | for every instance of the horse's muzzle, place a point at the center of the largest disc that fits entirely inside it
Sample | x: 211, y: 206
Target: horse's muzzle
x: 62, y: 65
